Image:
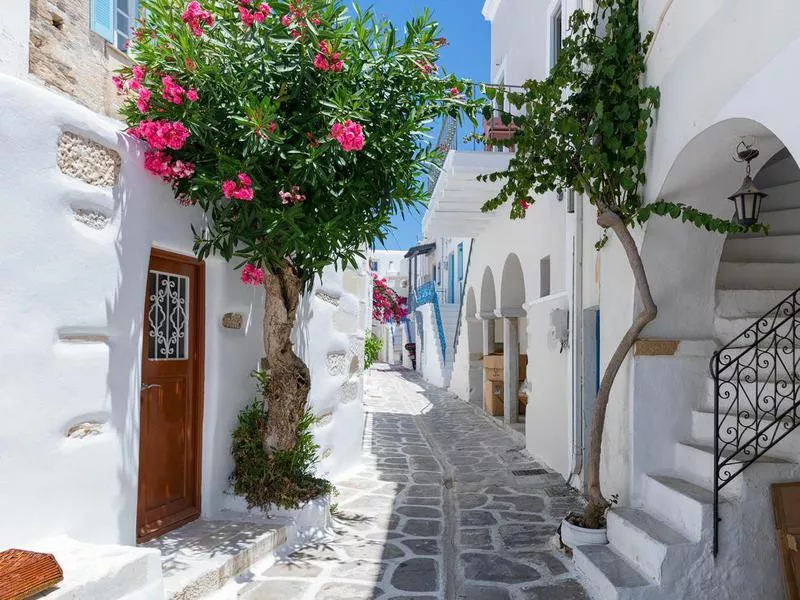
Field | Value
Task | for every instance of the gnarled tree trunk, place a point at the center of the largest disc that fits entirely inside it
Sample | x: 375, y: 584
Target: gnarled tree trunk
x: 289, y: 378
x: 597, y: 503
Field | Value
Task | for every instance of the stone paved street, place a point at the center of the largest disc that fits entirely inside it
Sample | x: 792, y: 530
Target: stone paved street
x: 436, y: 511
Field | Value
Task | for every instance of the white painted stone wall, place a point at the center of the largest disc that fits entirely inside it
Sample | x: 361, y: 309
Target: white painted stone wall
x: 74, y: 263
x: 14, y: 35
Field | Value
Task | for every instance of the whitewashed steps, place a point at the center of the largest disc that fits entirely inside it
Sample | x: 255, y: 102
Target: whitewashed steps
x: 748, y: 303
x: 684, y: 505
x: 780, y: 222
x: 703, y: 428
x: 772, y: 248
x: 610, y: 576
x: 758, y: 275
x: 729, y: 329
x: 781, y: 197
x: 644, y: 540
x: 696, y: 462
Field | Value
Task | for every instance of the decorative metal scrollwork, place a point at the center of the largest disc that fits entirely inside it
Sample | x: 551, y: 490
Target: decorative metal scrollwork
x: 756, y: 400
x: 426, y: 294
x: 168, y: 316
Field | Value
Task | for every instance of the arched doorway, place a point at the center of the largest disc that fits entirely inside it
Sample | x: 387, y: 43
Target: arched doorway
x: 475, y: 348
x: 512, y: 299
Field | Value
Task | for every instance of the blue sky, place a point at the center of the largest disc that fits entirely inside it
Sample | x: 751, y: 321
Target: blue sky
x: 468, y: 55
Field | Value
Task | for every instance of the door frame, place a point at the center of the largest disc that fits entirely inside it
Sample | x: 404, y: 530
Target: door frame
x: 198, y: 385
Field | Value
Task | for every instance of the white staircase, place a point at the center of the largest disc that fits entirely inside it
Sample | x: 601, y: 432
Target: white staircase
x: 449, y: 324
x: 663, y: 548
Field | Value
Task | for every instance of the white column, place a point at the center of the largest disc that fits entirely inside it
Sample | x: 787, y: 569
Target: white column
x: 488, y: 347
x: 510, y: 370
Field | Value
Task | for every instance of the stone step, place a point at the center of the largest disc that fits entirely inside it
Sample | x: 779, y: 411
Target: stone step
x: 687, y: 507
x: 778, y: 361
x: 764, y: 248
x: 609, y: 575
x: 729, y: 329
x: 781, y: 197
x: 643, y: 540
x: 781, y: 221
x: 104, y: 571
x: 758, y: 275
x: 748, y: 303
x: 200, y: 557
x: 765, y: 387
x: 696, y: 462
x: 704, y: 426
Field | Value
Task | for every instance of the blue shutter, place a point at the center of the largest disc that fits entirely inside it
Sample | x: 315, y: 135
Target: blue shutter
x: 102, y: 18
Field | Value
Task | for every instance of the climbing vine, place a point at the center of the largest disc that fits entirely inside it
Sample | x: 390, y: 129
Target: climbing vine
x: 585, y: 128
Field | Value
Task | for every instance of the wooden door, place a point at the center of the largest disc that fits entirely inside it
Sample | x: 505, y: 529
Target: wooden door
x: 786, y: 505
x: 171, y: 395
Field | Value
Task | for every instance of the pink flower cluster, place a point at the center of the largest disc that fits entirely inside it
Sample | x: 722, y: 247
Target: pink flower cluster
x: 426, y: 68
x: 195, y: 17
x: 292, y: 197
x: 257, y: 15
x: 161, y: 134
x: 327, y: 59
x: 241, y: 189
x: 298, y: 12
x: 252, y: 275
x: 387, y: 306
x: 349, y: 134
x: 174, y: 93
x: 161, y: 164
x: 135, y: 84
x: 524, y: 203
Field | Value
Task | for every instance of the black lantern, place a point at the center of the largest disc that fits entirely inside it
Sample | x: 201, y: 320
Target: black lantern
x: 747, y: 199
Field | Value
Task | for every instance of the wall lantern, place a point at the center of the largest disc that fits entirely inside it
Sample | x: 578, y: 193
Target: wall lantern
x: 747, y: 199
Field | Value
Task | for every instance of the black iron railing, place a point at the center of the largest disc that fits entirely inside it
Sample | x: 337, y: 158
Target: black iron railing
x: 756, y: 388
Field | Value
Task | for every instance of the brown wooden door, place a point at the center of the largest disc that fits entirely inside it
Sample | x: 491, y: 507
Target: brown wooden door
x: 172, y: 395
x: 786, y: 506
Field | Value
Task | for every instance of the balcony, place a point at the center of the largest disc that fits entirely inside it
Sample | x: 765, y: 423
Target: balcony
x: 454, y: 209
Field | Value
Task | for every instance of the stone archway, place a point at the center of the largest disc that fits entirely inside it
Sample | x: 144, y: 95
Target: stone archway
x: 512, y: 299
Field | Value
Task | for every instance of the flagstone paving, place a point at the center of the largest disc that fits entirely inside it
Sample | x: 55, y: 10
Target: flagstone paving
x: 436, y: 511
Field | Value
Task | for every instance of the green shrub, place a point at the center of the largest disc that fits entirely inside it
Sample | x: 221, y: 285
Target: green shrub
x: 281, y: 479
x: 372, y: 347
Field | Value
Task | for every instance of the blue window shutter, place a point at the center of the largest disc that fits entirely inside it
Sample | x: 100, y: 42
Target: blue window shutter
x: 102, y: 18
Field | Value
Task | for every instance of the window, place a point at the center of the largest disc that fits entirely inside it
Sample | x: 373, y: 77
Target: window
x: 556, y: 27
x: 114, y: 20
x: 544, y: 277
x: 373, y: 265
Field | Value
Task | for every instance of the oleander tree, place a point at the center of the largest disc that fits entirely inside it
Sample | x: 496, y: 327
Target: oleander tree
x: 299, y: 128
x: 387, y: 305
x: 585, y: 127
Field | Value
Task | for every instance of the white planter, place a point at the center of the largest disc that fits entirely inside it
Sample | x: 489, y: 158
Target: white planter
x: 573, y: 536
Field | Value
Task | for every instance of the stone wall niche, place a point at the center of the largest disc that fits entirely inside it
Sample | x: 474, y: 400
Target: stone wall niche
x: 87, y: 160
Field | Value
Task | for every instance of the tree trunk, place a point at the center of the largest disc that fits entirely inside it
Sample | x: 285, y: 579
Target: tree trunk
x: 289, y: 379
x: 597, y: 503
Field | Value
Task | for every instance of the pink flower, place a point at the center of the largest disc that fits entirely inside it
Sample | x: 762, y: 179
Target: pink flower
x: 228, y: 188
x: 246, y: 16
x: 287, y: 20
x: 194, y: 16
x: 350, y: 135
x: 240, y: 191
x: 327, y: 59
x: 454, y: 91
x: 118, y: 83
x: 138, y: 72
x: 161, y: 164
x: 192, y: 95
x: 143, y: 103
x: 523, y: 202
x: 172, y: 91
x: 273, y: 127
x: 161, y: 134
x: 292, y: 197
x: 252, y: 275
x: 264, y: 8
x: 315, y: 20
x: 295, y: 33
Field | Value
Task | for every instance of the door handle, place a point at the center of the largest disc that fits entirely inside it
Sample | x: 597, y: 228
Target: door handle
x: 149, y: 386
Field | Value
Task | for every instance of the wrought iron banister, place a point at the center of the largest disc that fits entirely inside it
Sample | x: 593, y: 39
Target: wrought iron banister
x: 756, y: 388
x: 426, y: 294
x: 461, y: 307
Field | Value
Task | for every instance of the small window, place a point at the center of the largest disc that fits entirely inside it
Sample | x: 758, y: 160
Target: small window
x: 556, y: 25
x: 114, y: 20
x: 544, y: 277
x: 373, y: 265
x: 461, y: 261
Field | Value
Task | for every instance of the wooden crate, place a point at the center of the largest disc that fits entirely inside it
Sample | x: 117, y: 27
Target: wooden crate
x: 786, y: 507
x: 493, y: 398
x: 493, y: 365
x: 24, y: 573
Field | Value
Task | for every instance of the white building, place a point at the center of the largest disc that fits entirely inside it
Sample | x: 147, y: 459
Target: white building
x: 661, y: 427
x: 90, y: 413
x: 392, y: 266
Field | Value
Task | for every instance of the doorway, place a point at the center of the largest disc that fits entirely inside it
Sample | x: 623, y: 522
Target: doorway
x: 171, y: 410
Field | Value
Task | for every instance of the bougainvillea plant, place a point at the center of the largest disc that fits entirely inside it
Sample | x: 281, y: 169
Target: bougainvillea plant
x: 387, y: 305
x: 299, y: 129
x: 585, y: 128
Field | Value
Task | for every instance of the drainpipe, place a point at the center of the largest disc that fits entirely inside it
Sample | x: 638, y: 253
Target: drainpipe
x: 577, y: 341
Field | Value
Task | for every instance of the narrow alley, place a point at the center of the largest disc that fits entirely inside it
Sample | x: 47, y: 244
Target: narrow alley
x: 446, y: 505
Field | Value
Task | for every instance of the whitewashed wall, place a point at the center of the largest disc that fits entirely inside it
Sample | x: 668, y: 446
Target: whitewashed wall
x: 74, y: 258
